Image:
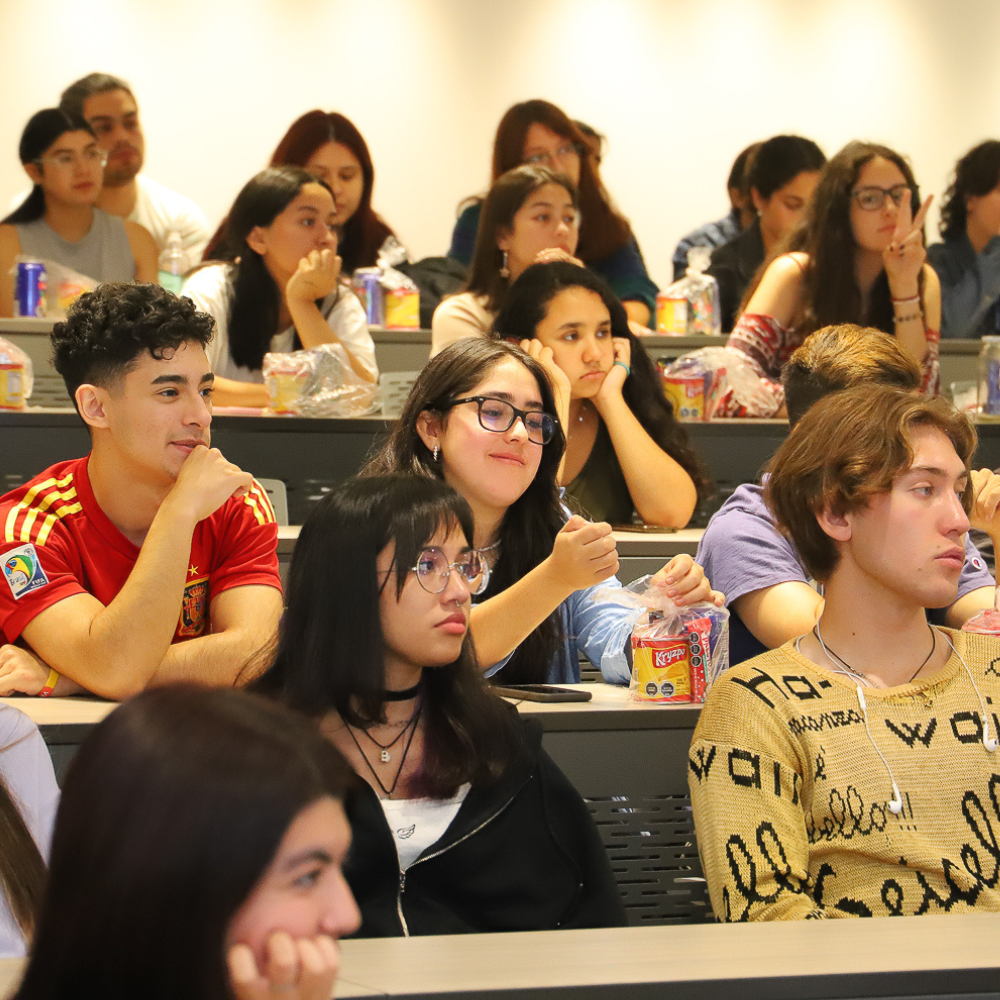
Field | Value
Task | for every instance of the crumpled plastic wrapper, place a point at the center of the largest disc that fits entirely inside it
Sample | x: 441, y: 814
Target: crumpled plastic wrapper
x: 317, y: 383
x: 987, y: 621
x: 63, y: 285
x: 717, y: 382
x: 16, y: 376
x: 401, y: 296
x: 677, y: 653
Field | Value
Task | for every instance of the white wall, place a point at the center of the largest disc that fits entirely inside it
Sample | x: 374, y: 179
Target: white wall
x: 678, y: 86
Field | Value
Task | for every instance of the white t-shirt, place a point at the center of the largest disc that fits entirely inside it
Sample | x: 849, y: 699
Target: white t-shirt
x: 418, y: 823
x: 163, y: 212
x: 27, y: 772
x: 210, y: 291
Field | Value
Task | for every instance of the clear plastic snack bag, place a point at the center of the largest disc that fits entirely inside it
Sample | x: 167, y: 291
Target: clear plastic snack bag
x: 717, y: 382
x: 987, y: 621
x: 317, y: 383
x: 690, y: 305
x: 401, y: 296
x: 65, y: 286
x: 16, y: 376
x: 677, y: 653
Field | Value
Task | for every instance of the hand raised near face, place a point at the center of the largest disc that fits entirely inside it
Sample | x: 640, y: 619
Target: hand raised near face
x: 315, y: 278
x: 206, y: 481
x: 545, y: 357
x: 905, y: 255
x: 986, y: 500
x: 584, y: 553
x: 614, y: 381
x: 556, y: 253
x: 300, y: 969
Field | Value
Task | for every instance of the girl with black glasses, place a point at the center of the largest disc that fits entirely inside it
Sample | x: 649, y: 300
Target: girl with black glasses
x: 463, y: 823
x: 481, y: 416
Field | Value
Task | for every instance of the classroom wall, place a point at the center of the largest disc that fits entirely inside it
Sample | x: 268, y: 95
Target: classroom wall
x: 678, y: 86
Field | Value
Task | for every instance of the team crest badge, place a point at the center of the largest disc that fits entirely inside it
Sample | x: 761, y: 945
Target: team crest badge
x: 23, y: 571
x: 194, y: 608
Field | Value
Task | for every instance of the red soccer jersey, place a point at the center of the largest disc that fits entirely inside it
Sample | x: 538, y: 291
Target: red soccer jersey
x: 56, y: 541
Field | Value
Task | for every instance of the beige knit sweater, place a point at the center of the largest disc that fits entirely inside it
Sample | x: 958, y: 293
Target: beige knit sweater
x: 791, y: 798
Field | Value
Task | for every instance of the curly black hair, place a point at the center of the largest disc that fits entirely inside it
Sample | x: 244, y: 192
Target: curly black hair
x: 108, y: 329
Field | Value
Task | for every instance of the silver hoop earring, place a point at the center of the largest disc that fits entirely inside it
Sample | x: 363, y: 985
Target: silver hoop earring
x: 504, y: 269
x: 436, y: 450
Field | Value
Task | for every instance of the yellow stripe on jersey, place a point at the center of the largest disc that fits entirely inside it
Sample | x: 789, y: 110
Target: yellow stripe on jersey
x: 257, y: 500
x: 31, y: 508
x: 56, y: 515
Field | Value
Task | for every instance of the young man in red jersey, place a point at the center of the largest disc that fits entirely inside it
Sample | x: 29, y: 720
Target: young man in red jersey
x: 152, y: 559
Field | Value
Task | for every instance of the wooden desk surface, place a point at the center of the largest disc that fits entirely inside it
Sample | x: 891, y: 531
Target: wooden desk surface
x: 926, y: 956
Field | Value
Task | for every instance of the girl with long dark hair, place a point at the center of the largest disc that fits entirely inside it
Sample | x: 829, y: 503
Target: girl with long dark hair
x: 464, y: 823
x: 197, y: 853
x: 330, y: 147
x: 625, y: 452
x: 857, y: 257
x: 529, y: 211
x: 277, y: 286
x: 968, y: 260
x: 58, y: 220
x: 537, y: 132
x: 482, y: 417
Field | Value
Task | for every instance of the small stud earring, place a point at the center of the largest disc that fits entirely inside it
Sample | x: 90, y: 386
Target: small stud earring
x: 504, y: 269
x: 436, y: 450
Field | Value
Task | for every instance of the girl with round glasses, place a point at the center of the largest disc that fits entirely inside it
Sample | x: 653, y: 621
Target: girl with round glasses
x: 538, y: 133
x: 462, y: 823
x: 625, y: 452
x: 857, y: 257
x: 480, y: 417
x: 530, y: 212
x: 58, y: 220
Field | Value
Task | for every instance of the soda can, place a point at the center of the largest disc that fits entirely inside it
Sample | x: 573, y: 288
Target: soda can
x: 367, y: 284
x: 29, y: 294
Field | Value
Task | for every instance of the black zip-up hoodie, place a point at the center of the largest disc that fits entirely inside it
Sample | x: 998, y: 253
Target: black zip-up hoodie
x: 522, y: 854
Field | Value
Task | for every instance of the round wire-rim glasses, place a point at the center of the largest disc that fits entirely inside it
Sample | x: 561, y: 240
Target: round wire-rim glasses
x: 433, y: 570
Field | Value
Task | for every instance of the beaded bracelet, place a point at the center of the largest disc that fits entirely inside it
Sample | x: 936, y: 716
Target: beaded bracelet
x: 906, y: 319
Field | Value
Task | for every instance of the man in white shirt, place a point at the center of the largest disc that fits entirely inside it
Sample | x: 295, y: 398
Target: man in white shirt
x: 110, y: 108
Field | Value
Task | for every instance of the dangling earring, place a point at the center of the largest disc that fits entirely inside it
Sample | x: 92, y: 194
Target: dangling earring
x: 436, y: 450
x: 504, y: 269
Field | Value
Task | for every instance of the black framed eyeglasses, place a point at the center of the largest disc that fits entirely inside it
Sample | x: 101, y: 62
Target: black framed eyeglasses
x: 871, y: 198
x: 498, y: 415
x: 433, y: 570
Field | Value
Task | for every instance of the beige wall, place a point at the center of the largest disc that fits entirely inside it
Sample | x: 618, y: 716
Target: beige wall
x: 678, y: 86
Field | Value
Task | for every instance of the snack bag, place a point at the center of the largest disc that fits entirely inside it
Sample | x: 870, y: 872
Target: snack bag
x: 690, y: 306
x: 317, y: 383
x: 987, y: 621
x: 65, y: 286
x: 716, y: 381
x: 401, y: 295
x: 676, y: 652
x: 16, y: 379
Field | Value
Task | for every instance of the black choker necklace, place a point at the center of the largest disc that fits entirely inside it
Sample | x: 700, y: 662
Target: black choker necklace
x: 406, y: 694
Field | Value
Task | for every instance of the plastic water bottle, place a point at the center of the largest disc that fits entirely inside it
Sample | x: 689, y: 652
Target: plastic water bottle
x: 173, y: 264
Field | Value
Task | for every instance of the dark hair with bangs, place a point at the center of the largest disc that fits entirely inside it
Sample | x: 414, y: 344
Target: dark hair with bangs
x: 144, y: 880
x: 255, y: 304
x: 329, y: 653
x: 508, y: 194
x: 531, y: 523
x: 525, y: 307
x: 830, y: 288
x: 781, y: 159
x: 847, y: 448
x: 108, y: 329
x: 977, y: 173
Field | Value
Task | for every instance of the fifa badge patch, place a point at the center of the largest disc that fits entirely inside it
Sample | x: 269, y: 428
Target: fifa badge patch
x: 22, y: 569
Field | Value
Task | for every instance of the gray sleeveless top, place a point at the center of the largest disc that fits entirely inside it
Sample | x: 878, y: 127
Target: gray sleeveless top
x: 103, y: 254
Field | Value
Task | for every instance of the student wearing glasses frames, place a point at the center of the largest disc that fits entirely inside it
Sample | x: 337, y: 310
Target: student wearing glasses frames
x: 857, y: 257
x: 481, y: 417
x: 58, y: 221
x: 625, y: 452
x: 539, y: 134
x: 462, y: 823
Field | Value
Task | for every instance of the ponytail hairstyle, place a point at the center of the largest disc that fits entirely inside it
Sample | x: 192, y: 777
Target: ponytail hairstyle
x: 43, y: 129
x: 255, y: 303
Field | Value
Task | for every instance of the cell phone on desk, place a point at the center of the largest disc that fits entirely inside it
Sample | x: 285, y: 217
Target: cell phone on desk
x: 644, y: 529
x: 540, y: 692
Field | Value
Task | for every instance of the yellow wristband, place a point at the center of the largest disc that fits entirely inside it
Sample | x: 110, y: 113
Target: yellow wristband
x: 50, y: 684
